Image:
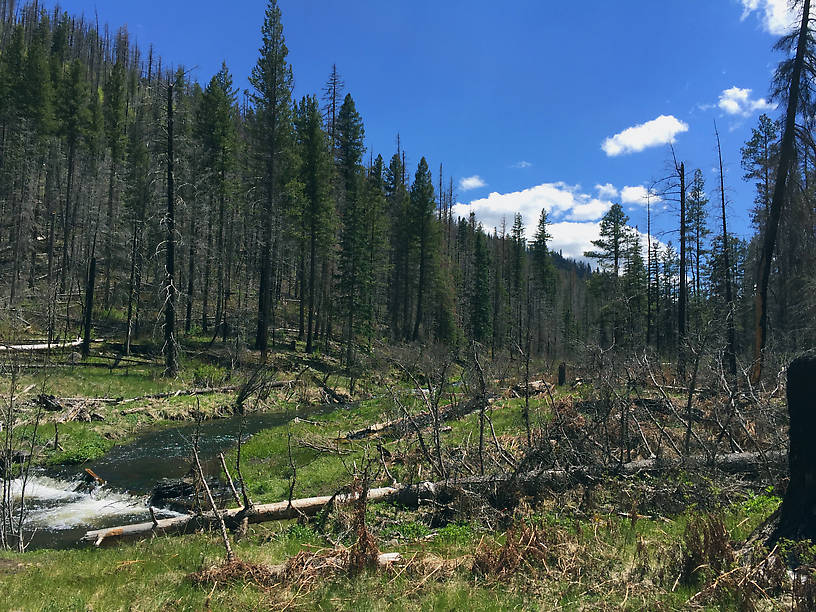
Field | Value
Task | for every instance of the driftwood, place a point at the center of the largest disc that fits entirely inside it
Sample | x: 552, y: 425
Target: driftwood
x: 412, y: 495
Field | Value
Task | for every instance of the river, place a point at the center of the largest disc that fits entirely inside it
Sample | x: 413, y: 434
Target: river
x: 60, y: 509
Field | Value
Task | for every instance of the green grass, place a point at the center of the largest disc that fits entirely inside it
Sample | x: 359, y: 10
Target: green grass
x: 152, y: 574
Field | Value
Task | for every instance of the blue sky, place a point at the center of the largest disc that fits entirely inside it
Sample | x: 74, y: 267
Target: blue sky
x: 526, y: 103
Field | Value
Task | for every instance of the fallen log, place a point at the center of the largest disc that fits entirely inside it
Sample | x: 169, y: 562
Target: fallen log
x: 259, y: 514
x: 412, y: 495
x: 422, y: 420
x: 41, y: 347
x: 331, y: 393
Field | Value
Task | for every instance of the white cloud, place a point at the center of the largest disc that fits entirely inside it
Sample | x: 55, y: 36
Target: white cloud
x: 637, y: 195
x: 574, y: 239
x: 777, y: 17
x: 589, y: 211
x: 573, y: 213
x: 522, y: 164
x: 656, y: 132
x: 737, y: 101
x: 607, y: 191
x: 471, y: 182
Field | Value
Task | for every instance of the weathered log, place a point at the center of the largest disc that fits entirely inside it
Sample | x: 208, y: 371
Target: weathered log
x: 412, y: 495
x: 41, y: 347
x: 335, y: 397
x: 259, y: 514
x: 404, y: 424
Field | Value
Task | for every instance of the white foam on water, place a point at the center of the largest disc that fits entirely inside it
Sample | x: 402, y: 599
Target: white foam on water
x: 43, y: 488
x: 87, y: 510
x: 57, y: 505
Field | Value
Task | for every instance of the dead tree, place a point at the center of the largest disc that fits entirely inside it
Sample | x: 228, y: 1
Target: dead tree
x: 797, y: 515
x: 89, y: 300
x: 801, y: 64
x: 170, y: 357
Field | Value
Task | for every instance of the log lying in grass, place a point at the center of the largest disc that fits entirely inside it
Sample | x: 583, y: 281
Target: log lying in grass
x: 259, y: 514
x: 404, y: 424
x: 41, y: 347
x: 412, y: 495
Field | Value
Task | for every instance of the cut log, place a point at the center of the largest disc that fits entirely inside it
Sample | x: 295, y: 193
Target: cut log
x: 412, y: 495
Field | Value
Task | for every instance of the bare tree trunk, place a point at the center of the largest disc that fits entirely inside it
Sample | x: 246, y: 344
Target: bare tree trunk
x: 787, y: 153
x: 89, y: 300
x: 731, y: 352
x: 170, y: 357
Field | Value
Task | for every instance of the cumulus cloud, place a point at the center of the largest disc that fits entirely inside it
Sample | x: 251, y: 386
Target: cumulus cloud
x: 471, y: 182
x: 573, y: 214
x: 635, y: 139
x: 776, y: 15
x: 737, y: 101
x: 607, y: 191
x: 637, y: 195
x: 522, y: 164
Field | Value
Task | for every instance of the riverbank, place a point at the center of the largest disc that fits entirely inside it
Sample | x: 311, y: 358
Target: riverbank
x: 601, y: 561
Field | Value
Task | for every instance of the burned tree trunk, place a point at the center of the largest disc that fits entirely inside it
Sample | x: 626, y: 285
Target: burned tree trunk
x: 88, y: 318
x: 797, y: 515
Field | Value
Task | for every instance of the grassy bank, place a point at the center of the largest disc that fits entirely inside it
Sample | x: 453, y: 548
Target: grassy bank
x: 599, y: 562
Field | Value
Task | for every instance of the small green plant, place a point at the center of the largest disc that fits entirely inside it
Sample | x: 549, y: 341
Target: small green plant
x: 762, y: 503
x: 207, y: 375
x: 456, y: 532
x: 86, y: 450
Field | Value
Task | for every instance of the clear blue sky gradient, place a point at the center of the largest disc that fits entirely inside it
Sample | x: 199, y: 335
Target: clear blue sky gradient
x: 482, y: 85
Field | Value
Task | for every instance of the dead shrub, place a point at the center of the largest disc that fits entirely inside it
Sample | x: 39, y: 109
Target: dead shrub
x: 706, y: 549
x: 525, y: 547
x: 237, y: 572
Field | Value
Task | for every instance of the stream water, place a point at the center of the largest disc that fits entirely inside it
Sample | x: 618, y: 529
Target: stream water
x: 60, y: 509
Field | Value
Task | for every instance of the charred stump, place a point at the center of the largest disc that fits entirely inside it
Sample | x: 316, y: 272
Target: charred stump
x: 796, y: 518
x: 562, y: 374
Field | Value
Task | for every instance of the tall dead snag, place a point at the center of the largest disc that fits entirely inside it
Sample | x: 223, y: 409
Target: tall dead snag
x: 682, y: 298
x: 797, y: 515
x: 731, y: 354
x: 170, y: 357
x: 89, y: 300
x: 789, y: 85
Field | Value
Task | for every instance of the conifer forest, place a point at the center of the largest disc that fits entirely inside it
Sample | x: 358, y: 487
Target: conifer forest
x: 248, y: 361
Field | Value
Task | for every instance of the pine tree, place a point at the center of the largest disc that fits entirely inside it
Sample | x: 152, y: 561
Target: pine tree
x: 794, y: 85
x: 114, y: 113
x: 611, y: 250
x: 697, y: 215
x: 271, y: 79
x: 315, y: 174
x: 421, y: 215
x: 353, y: 265
x: 480, y: 293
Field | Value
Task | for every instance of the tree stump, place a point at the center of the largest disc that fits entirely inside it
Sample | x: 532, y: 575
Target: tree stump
x: 797, y: 515
x: 562, y: 374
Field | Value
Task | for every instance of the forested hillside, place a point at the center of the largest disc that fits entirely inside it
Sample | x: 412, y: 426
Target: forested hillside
x: 282, y: 219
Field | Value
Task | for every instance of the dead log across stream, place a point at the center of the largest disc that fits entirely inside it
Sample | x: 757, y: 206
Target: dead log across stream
x: 412, y: 495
